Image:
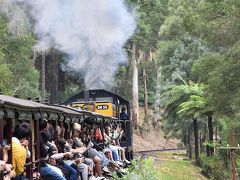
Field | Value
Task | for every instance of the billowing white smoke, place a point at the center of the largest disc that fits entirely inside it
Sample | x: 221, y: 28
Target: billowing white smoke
x: 90, y: 32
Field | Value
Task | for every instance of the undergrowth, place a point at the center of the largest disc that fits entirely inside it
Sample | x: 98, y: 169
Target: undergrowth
x: 141, y: 169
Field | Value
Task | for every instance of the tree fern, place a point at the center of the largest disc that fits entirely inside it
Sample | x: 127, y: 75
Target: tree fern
x: 193, y: 105
x: 176, y: 93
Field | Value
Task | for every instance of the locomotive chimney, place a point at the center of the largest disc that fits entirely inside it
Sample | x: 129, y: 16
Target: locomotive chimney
x: 86, y: 95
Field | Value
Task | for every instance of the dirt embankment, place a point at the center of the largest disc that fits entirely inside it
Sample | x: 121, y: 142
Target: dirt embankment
x: 152, y: 139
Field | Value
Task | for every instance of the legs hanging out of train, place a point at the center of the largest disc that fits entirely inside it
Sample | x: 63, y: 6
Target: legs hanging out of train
x: 83, y: 168
x: 98, y: 167
x: 73, y: 172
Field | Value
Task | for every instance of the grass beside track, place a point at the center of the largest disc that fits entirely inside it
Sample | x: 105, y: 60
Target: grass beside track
x: 175, y: 166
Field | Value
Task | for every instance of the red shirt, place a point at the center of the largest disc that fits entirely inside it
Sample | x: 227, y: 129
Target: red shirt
x: 99, y: 135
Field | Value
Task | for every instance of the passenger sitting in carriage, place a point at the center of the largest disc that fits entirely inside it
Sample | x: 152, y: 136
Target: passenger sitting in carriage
x: 20, y: 148
x: 112, y: 136
x: 76, y: 161
x: 51, y: 166
x: 9, y: 172
x: 90, y: 153
x: 47, y: 171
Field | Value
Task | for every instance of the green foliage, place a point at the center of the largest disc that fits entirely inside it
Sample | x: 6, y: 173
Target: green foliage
x: 142, y: 169
x: 165, y: 50
x: 6, y: 76
x: 238, y: 163
x: 234, y: 52
x: 221, y: 75
x: 217, y: 22
x: 206, y: 64
x: 198, y: 41
x: 192, y: 106
x: 177, y: 51
x: 123, y: 83
x: 215, y: 167
x: 18, y: 54
x: 151, y: 15
x: 172, y: 28
x: 181, y: 103
x: 150, y: 69
x: 72, y: 87
x: 177, y: 166
x: 17, y: 65
x: 176, y: 93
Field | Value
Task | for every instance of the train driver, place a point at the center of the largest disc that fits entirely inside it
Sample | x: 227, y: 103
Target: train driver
x: 123, y: 114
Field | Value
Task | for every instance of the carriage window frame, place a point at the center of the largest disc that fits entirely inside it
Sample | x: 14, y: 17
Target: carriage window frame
x: 36, y: 115
x: 61, y: 117
x: 24, y: 115
x: 53, y: 116
x: 44, y: 114
x: 9, y: 113
x: 67, y: 118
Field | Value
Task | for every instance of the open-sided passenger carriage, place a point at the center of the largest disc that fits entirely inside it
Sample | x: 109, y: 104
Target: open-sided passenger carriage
x: 14, y: 110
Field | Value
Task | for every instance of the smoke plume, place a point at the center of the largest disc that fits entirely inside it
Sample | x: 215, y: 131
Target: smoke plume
x: 91, y: 34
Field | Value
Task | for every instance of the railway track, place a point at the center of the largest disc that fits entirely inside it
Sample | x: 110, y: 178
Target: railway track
x: 153, y: 151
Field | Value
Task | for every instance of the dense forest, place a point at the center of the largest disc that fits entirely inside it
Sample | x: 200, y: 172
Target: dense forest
x: 183, y: 63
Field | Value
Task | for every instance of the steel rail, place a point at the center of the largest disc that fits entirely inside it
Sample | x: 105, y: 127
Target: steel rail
x: 158, y: 150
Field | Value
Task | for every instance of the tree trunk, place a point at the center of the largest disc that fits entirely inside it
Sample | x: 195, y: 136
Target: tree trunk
x: 54, y: 73
x: 145, y: 97
x: 56, y: 89
x: 201, y: 142
x: 210, y: 134
x: 189, y: 145
x: 157, y: 100
x: 233, y: 152
x: 216, y: 133
x: 208, y: 147
x: 43, y: 75
x: 196, y: 136
x: 135, y: 105
x: 203, y: 139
